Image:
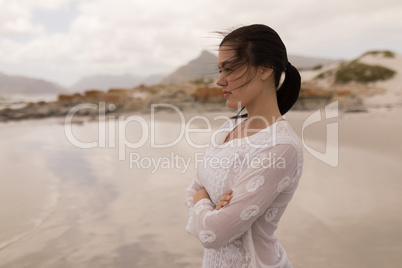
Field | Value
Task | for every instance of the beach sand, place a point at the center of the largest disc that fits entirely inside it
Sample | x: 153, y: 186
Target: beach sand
x: 63, y: 206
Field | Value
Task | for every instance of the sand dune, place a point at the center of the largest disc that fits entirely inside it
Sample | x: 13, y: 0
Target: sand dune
x: 392, y: 87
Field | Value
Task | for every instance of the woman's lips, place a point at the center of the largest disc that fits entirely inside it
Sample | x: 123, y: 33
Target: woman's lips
x: 226, y: 93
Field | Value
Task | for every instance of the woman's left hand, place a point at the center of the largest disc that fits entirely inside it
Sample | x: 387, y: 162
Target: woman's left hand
x: 224, y: 200
x: 201, y: 194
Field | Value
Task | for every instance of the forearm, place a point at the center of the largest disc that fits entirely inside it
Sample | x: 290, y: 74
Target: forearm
x: 201, y: 194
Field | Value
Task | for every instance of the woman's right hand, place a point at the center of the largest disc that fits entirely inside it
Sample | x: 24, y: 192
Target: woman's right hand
x: 224, y: 200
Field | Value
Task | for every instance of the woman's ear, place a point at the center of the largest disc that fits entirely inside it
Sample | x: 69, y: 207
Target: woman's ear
x: 265, y: 72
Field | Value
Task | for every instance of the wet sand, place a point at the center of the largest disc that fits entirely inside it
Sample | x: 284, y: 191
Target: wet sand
x: 87, y: 208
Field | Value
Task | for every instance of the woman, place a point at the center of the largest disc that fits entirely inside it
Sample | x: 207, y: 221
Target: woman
x: 253, y: 164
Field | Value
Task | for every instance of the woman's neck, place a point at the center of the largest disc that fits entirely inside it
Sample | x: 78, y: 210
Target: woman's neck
x: 263, y: 112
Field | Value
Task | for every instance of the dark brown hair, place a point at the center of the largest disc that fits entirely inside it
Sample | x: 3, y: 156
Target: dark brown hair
x: 259, y: 45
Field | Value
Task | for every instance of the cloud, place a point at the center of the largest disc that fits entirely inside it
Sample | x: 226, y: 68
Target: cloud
x: 15, y: 20
x: 132, y: 36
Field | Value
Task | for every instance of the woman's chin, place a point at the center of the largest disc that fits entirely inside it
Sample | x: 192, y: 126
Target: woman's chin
x: 228, y: 105
x: 233, y: 105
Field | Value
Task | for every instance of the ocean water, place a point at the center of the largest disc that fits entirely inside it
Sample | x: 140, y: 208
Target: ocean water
x: 17, y: 101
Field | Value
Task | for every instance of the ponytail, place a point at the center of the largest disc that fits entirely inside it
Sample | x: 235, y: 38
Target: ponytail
x: 259, y: 45
x: 288, y: 93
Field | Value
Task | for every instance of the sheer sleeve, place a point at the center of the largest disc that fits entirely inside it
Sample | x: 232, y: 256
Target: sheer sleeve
x: 194, y: 187
x: 253, y: 192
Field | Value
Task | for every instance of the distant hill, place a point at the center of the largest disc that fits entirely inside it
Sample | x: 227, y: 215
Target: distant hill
x: 206, y: 66
x: 302, y: 62
x: 105, y: 82
x: 153, y: 79
x: 13, y: 84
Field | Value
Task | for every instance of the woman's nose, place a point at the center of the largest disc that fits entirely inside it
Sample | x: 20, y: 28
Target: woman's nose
x: 221, y: 81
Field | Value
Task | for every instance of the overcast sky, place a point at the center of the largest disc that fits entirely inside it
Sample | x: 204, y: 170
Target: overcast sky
x: 63, y: 40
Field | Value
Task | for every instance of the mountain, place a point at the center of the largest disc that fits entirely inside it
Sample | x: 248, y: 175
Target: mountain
x: 105, y: 82
x: 204, y: 65
x: 13, y: 84
x: 153, y: 79
x: 302, y: 62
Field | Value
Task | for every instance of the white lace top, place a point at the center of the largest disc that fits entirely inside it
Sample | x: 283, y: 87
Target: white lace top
x: 263, y: 170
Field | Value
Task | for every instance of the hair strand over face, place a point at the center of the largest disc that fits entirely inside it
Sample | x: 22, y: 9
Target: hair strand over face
x: 259, y: 45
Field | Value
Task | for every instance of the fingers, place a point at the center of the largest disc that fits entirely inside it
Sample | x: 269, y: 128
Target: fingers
x: 224, y: 200
x: 221, y: 204
x: 226, y: 196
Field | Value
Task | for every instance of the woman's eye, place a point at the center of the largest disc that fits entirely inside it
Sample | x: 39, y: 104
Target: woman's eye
x: 226, y: 70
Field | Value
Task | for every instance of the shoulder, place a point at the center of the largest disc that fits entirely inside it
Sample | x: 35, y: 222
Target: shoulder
x: 282, y: 139
x: 284, y: 134
x: 292, y: 142
x: 279, y: 133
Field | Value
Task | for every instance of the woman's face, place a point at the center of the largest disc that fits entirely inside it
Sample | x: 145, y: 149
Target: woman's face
x: 236, y: 90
